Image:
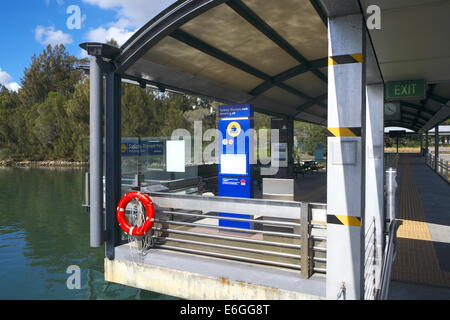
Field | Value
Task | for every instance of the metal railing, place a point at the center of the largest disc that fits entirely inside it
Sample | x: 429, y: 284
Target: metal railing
x: 370, y: 250
x: 284, y: 234
x: 441, y: 166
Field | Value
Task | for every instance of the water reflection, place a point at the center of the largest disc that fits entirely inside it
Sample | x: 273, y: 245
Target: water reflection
x: 44, y: 230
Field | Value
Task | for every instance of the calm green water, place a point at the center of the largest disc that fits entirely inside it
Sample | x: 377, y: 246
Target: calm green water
x: 44, y: 230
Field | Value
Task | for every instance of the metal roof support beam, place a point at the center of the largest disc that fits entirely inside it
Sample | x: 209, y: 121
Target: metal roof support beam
x: 310, y: 103
x: 416, y: 118
x: 411, y: 121
x: 226, y: 58
x: 319, y: 9
x: 439, y: 99
x: 439, y: 117
x: 288, y: 74
x: 161, y: 26
x: 417, y: 107
x: 245, y: 12
x: 424, y: 102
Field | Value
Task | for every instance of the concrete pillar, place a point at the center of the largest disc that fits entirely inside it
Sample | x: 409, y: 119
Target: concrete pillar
x: 374, y: 215
x: 96, y: 153
x: 345, y: 176
x: 436, y: 147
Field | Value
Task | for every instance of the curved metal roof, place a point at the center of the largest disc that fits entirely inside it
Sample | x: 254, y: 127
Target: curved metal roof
x: 272, y: 54
x: 238, y: 51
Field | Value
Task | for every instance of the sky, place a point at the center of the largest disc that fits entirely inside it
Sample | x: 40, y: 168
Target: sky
x: 28, y: 26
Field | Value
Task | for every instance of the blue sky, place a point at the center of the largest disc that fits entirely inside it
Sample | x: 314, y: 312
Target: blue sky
x: 27, y: 26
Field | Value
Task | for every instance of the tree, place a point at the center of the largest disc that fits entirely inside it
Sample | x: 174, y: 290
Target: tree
x: 8, y: 105
x: 54, y: 70
x: 309, y: 137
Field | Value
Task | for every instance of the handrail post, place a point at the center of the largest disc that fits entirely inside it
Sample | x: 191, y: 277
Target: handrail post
x: 86, y: 190
x: 305, y: 252
x: 446, y: 171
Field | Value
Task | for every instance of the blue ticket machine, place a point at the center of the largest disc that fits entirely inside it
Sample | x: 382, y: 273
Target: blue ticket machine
x: 235, y: 169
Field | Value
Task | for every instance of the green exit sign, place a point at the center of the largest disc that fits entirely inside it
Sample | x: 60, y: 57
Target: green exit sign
x: 409, y: 89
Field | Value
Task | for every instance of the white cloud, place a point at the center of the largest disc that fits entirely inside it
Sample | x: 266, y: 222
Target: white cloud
x: 5, y: 79
x: 102, y: 34
x: 131, y: 15
x: 136, y: 12
x: 48, y: 35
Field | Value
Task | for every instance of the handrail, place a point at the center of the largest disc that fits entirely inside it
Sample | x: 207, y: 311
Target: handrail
x: 390, y: 252
x: 441, y: 166
x: 281, y: 234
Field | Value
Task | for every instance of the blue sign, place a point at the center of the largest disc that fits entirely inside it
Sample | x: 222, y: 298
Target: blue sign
x: 236, y: 111
x: 136, y: 148
x: 235, y: 170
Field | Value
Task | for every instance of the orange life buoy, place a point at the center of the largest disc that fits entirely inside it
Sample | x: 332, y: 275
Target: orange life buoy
x: 149, y: 209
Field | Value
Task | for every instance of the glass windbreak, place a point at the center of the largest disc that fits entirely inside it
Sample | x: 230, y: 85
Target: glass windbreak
x: 310, y: 143
x: 164, y: 135
x: 157, y: 159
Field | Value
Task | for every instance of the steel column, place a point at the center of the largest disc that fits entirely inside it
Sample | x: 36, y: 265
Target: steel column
x: 96, y: 153
x: 426, y: 143
x: 305, y: 252
x: 113, y: 163
x: 346, y: 149
x: 375, y: 170
x: 421, y: 143
x: 290, y: 142
x: 436, y: 148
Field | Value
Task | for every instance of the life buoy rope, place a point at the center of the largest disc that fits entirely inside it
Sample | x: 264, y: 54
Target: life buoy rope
x: 149, y: 209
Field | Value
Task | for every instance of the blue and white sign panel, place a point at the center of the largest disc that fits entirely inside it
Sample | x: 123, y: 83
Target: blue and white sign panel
x: 136, y: 148
x: 236, y: 111
x: 235, y: 171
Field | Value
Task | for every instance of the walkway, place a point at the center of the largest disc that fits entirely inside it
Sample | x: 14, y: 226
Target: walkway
x: 422, y: 266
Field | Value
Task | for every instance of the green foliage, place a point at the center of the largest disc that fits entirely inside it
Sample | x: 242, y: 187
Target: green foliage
x: 309, y: 137
x: 48, y: 119
x: 37, y: 123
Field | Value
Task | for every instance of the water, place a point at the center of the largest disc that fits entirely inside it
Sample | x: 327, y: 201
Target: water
x: 43, y: 231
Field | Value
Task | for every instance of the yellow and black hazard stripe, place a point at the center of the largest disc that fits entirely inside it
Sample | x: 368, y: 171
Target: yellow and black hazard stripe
x: 344, y: 220
x: 345, y: 59
x: 344, y: 132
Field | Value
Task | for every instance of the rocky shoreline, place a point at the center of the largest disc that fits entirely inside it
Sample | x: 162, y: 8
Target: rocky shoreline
x: 42, y: 164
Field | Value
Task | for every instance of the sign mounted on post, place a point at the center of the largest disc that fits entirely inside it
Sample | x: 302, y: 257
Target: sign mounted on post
x: 235, y: 168
x: 404, y: 90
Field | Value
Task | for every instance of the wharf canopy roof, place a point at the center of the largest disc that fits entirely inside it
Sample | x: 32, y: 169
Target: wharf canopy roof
x: 272, y: 54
